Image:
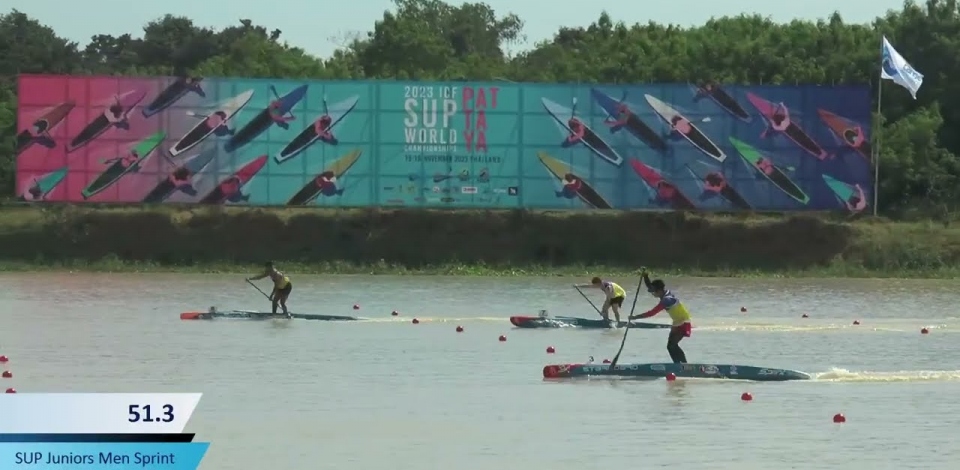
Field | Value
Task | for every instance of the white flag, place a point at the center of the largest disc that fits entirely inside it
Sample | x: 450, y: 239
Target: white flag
x: 895, y: 67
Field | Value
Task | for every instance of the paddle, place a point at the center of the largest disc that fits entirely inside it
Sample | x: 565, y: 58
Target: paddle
x: 258, y: 290
x: 588, y: 299
x: 627, y: 329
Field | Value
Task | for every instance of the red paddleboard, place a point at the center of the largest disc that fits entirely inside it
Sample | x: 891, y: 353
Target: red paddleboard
x: 232, y: 185
x: 653, y: 179
x: 191, y: 315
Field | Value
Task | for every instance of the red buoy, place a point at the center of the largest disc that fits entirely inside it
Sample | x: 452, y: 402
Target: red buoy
x: 924, y: 331
x: 459, y: 329
x: 395, y: 313
x: 356, y: 307
x: 839, y: 418
x: 746, y: 396
x: 503, y: 338
x: 856, y: 322
x: 550, y: 350
x: 804, y: 316
x: 11, y: 390
x: 415, y: 321
x: 671, y: 377
x: 4, y: 359
x: 7, y: 374
x: 743, y: 309
x: 606, y: 361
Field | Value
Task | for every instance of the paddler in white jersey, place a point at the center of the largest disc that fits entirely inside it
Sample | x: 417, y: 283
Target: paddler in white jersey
x: 281, y: 287
x: 615, y: 295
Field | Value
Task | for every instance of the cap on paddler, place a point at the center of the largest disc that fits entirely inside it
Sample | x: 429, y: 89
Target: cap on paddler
x: 656, y: 285
x: 269, y: 264
x: 595, y: 280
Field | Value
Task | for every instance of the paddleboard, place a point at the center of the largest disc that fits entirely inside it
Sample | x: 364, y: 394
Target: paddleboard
x: 262, y: 121
x: 321, y: 184
x: 724, y: 100
x: 254, y: 315
x: 232, y: 186
x: 203, y: 129
x: 40, y: 129
x: 521, y: 321
x: 120, y: 108
x: 563, y: 116
x: 43, y: 185
x: 173, y: 93
x: 652, y: 178
x: 562, y: 171
x: 117, y: 169
x: 793, y: 131
x: 635, y: 126
x: 777, y: 176
x: 715, y: 178
x: 695, y: 136
x: 660, y: 370
x: 309, y: 135
x: 844, y: 191
x: 181, y: 176
x: 848, y: 131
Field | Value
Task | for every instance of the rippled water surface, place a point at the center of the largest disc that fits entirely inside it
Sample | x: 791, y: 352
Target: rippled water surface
x: 387, y: 394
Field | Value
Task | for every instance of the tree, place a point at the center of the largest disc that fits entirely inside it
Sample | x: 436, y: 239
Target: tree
x: 434, y: 40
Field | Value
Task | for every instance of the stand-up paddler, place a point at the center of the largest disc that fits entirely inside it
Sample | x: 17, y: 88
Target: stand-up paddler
x: 615, y: 295
x: 281, y: 287
x: 678, y: 313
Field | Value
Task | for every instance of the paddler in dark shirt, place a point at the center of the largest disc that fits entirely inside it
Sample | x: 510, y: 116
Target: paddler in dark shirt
x: 681, y: 327
x: 281, y: 287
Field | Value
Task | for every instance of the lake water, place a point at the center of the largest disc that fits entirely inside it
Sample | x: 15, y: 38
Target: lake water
x: 390, y: 394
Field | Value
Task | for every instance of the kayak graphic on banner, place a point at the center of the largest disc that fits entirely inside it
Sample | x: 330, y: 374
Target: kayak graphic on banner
x: 282, y: 142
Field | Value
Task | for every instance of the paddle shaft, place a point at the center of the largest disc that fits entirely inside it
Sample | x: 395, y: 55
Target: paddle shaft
x: 627, y: 329
x: 258, y: 290
x: 588, y: 300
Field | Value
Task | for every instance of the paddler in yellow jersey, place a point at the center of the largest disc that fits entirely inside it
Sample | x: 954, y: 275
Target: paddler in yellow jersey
x: 615, y: 296
x: 281, y: 287
x: 677, y: 311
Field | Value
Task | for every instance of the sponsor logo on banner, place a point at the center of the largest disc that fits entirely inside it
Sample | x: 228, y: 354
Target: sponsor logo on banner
x: 709, y: 370
x: 468, y: 190
x: 513, y: 191
x: 658, y: 367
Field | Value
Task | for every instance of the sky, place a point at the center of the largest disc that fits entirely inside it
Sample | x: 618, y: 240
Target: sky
x: 318, y: 30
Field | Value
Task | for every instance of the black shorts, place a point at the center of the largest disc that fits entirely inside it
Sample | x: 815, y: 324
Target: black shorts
x: 618, y: 301
x: 285, y: 291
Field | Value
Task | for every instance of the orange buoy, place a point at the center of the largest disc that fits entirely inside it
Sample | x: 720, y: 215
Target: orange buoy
x: 11, y: 390
x: 743, y: 309
x: 804, y: 316
x: 415, y: 321
x: 4, y: 359
x: 746, y: 396
x: 551, y: 350
x: 395, y: 313
x: 856, y: 322
x: 606, y: 361
x: 356, y: 307
x: 671, y: 377
x: 924, y: 331
x: 839, y: 418
x: 459, y: 329
x: 7, y: 374
x: 503, y: 338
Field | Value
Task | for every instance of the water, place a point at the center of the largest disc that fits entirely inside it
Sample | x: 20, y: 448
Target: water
x: 390, y: 394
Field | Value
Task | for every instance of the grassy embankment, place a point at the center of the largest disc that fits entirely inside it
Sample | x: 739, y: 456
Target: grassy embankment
x: 496, y: 243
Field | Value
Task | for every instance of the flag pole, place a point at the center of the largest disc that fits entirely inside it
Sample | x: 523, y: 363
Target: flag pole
x: 877, y: 132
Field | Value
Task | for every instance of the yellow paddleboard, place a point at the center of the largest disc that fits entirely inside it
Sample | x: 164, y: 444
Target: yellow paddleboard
x: 586, y: 193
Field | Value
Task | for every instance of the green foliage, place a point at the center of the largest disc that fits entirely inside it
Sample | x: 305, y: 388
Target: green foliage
x: 433, y: 40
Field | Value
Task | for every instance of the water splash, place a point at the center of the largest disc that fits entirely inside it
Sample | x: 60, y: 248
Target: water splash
x: 843, y: 375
